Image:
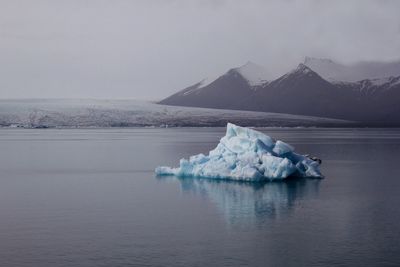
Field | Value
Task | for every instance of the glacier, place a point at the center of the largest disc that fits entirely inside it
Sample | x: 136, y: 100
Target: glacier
x: 245, y: 154
x: 94, y: 113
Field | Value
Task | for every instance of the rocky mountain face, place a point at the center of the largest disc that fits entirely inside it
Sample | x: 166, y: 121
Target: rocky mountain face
x: 368, y: 92
x: 222, y: 93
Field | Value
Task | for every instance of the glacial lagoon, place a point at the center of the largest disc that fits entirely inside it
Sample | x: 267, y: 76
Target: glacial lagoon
x: 89, y: 197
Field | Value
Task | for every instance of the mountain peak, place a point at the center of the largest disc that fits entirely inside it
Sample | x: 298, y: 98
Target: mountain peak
x: 253, y: 73
x: 302, y: 66
x: 301, y: 72
x: 303, y: 69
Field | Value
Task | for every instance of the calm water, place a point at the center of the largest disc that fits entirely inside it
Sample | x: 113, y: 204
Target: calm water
x: 90, y: 198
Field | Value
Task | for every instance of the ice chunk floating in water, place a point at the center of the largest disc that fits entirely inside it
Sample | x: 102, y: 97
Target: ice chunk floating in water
x: 246, y: 155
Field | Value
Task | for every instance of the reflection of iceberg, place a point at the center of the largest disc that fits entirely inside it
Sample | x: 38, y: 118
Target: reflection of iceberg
x: 245, y: 154
x: 252, y: 202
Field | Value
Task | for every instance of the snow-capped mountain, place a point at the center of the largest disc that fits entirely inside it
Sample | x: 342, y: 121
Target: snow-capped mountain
x: 301, y: 91
x: 371, y: 87
x: 254, y: 73
x: 365, y: 91
x: 333, y: 71
x: 226, y: 91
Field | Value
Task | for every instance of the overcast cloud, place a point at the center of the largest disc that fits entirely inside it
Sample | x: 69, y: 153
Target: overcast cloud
x: 150, y: 49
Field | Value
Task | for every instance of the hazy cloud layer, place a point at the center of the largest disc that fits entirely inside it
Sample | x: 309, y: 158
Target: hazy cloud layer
x: 149, y: 49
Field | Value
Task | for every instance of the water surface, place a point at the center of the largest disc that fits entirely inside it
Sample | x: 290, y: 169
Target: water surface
x: 90, y: 198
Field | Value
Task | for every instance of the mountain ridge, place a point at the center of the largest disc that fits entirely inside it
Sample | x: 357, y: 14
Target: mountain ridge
x: 303, y: 91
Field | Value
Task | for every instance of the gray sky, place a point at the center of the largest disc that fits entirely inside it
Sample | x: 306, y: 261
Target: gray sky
x: 148, y: 49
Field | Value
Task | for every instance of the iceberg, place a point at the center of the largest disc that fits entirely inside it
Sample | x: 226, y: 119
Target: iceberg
x: 245, y: 154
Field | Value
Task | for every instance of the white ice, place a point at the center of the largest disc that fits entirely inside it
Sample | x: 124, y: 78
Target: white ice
x: 246, y: 155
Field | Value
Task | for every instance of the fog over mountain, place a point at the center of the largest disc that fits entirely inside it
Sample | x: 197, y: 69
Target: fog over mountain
x: 333, y: 71
x: 148, y: 49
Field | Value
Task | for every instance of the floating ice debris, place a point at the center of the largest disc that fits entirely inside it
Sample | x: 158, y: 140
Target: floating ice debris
x: 246, y: 155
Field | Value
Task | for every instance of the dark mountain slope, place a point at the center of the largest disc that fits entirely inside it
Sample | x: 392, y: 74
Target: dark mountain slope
x: 302, y: 91
x: 226, y: 92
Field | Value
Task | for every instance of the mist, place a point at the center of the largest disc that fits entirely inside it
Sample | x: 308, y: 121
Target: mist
x: 150, y: 49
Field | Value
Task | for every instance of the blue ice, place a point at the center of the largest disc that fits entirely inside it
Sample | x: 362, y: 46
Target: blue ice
x: 245, y: 154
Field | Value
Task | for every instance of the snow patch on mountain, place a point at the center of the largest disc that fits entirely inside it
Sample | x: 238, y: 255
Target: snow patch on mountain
x: 335, y: 72
x: 207, y: 81
x: 381, y: 81
x: 196, y: 88
x: 388, y: 81
x: 372, y: 86
x: 301, y: 70
x: 192, y: 90
x: 254, y: 73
